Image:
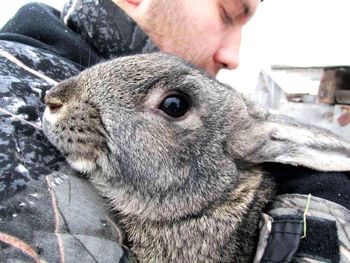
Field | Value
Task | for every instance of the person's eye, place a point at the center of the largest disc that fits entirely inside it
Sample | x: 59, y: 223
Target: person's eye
x: 175, y: 105
x: 226, y: 18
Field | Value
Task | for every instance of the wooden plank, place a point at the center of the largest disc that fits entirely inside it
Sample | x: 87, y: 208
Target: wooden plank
x: 328, y: 86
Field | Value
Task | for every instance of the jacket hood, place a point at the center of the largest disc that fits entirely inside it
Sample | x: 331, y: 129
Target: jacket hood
x: 109, y: 31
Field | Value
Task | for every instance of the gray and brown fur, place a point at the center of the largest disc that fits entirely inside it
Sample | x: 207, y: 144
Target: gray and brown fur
x: 188, y: 189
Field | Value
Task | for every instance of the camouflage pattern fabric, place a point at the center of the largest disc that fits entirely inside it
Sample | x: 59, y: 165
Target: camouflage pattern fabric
x: 48, y: 213
x: 108, y: 36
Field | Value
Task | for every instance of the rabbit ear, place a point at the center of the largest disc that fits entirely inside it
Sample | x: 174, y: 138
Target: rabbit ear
x: 275, y: 138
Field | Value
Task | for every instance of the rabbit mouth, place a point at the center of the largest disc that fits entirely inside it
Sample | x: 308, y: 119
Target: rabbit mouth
x: 81, y: 150
x: 82, y: 158
x: 82, y: 165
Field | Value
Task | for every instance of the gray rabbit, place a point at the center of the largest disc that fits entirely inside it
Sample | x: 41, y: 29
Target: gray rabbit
x: 177, y: 154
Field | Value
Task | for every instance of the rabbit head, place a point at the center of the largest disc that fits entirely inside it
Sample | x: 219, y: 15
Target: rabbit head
x: 161, y: 127
x: 164, y: 141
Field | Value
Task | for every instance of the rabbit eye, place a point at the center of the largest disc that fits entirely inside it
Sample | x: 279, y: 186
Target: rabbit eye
x: 175, y: 106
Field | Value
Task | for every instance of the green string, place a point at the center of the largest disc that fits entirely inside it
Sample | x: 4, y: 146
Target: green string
x: 305, y: 212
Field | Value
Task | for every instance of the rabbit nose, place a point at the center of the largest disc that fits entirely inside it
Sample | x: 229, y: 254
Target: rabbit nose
x: 54, y: 107
x: 61, y: 95
x: 53, y: 104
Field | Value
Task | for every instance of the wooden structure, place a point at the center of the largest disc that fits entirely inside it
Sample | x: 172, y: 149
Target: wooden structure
x: 321, y: 96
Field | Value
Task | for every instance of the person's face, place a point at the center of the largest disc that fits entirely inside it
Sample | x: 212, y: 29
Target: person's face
x: 206, y: 33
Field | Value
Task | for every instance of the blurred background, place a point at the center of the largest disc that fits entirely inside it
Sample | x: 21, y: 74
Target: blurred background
x: 294, y: 59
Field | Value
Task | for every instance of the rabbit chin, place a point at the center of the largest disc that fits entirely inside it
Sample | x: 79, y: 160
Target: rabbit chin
x: 82, y: 165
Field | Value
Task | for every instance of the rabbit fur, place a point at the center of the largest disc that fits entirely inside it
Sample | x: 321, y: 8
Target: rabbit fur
x: 186, y: 189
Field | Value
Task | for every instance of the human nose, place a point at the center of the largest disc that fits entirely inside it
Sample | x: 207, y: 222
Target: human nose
x: 227, y: 56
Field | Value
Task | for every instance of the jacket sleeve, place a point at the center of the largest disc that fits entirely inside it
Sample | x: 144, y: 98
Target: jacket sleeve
x: 47, y: 212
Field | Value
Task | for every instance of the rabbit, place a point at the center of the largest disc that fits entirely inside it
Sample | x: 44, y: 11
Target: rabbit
x: 178, y: 154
